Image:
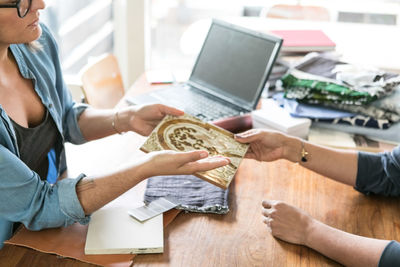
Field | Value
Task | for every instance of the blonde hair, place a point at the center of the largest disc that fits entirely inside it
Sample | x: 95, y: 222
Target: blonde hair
x: 35, y: 46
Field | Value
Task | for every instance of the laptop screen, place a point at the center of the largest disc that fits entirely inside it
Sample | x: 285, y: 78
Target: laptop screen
x: 234, y: 63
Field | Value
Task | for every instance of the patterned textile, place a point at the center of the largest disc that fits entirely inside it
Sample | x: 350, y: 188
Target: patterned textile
x: 321, y: 67
x: 192, y: 193
x: 320, y: 91
x: 326, y: 65
x: 319, y: 113
x: 358, y: 120
x: 373, y: 110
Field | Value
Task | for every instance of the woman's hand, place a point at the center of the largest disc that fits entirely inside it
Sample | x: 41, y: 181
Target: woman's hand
x: 143, y: 119
x: 287, y: 222
x: 264, y: 145
x: 175, y: 163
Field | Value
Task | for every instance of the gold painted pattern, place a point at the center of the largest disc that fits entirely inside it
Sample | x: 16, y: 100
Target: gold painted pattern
x: 187, y: 133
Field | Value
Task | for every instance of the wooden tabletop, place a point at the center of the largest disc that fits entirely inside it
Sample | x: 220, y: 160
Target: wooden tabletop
x: 239, y: 238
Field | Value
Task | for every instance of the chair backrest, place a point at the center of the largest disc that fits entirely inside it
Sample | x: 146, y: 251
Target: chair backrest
x: 298, y: 12
x: 102, y: 82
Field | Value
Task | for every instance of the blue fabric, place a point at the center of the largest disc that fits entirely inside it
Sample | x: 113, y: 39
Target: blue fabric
x: 379, y: 173
x: 24, y: 197
x: 297, y: 109
x: 190, y: 192
x: 391, y: 255
x: 52, y: 174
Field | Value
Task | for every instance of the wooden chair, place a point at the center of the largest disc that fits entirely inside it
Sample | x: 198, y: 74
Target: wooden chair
x: 297, y: 12
x: 102, y: 82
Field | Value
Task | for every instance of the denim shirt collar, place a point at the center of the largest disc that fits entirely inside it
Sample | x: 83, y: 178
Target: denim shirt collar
x: 28, y: 74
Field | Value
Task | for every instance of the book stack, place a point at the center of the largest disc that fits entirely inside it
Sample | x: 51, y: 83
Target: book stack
x: 304, y: 41
x: 272, y: 117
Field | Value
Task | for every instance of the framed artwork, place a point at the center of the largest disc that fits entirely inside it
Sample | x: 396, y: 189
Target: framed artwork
x: 187, y: 133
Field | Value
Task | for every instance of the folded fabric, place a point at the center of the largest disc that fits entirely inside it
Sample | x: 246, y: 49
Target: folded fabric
x: 330, y: 69
x: 374, y: 111
x: 389, y: 135
x: 329, y: 115
x: 192, y: 193
x: 358, y: 120
x: 327, y: 65
x: 302, y: 110
x: 320, y: 91
x: 390, y: 103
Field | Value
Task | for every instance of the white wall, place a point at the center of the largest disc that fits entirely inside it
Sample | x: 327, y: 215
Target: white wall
x: 131, y: 38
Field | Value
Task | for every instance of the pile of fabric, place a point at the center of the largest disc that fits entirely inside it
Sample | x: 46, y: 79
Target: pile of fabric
x: 330, y: 91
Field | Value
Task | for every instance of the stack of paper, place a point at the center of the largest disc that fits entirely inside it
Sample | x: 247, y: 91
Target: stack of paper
x: 273, y: 117
x: 113, y: 231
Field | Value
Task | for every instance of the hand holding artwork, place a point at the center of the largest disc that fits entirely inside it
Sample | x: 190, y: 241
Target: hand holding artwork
x: 264, y: 145
x: 169, y: 162
x: 144, y: 118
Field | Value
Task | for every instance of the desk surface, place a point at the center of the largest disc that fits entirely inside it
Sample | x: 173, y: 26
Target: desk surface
x: 238, y: 238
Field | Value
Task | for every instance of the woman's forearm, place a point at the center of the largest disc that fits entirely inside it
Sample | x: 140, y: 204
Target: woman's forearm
x: 99, y: 123
x: 345, y: 248
x: 339, y: 165
x: 96, y: 191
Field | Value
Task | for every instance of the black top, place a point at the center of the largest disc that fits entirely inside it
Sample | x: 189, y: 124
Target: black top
x: 380, y: 174
x: 35, y: 143
x: 391, y: 255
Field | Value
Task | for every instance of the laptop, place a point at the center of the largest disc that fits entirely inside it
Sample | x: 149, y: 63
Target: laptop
x: 228, y: 76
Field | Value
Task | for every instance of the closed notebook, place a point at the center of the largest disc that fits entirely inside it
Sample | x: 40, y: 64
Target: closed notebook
x: 113, y: 231
x: 304, y: 40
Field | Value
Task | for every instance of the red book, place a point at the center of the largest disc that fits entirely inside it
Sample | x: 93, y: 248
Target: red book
x: 304, y: 40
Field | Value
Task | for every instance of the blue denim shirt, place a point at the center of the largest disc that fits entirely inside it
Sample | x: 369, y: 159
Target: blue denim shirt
x: 24, y: 197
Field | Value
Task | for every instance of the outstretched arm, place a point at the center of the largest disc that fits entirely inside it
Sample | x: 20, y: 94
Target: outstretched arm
x: 295, y: 226
x: 339, y: 165
x: 95, y: 192
x: 99, y: 123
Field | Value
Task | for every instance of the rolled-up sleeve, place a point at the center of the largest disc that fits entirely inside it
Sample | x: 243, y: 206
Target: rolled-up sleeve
x: 25, y: 198
x: 72, y: 131
x: 379, y: 173
x: 390, y: 255
x: 69, y: 203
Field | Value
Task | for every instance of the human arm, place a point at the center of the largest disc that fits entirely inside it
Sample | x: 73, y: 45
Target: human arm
x: 97, y: 123
x: 25, y: 198
x: 94, y: 192
x: 339, y: 165
x: 296, y: 226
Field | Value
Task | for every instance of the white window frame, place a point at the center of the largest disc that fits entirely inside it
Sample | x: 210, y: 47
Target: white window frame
x: 131, y: 38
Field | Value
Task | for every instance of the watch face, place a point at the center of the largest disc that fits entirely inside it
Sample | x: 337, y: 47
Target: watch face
x: 187, y: 133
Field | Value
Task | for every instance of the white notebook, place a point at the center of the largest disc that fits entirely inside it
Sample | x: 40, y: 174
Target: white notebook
x: 113, y: 231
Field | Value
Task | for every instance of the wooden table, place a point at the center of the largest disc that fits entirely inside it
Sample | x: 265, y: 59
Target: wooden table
x: 239, y: 238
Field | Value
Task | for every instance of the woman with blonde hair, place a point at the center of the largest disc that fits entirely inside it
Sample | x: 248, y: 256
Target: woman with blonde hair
x: 38, y: 116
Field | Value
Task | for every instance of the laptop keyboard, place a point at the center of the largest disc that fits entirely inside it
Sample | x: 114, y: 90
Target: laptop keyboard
x: 204, y: 106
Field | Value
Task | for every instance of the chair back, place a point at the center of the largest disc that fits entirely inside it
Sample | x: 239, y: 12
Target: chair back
x: 102, y: 82
x: 298, y: 12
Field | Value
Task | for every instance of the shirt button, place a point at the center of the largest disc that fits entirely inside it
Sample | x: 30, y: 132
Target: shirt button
x: 50, y: 105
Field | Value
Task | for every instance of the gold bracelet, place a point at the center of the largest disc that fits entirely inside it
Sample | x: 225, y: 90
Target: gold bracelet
x: 113, y: 122
x: 304, y: 153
